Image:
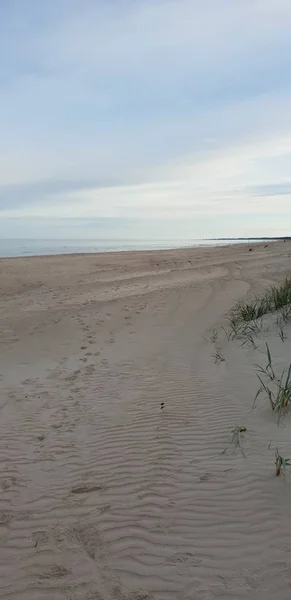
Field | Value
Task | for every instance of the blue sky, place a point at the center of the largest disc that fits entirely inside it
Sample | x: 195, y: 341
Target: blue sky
x: 145, y: 118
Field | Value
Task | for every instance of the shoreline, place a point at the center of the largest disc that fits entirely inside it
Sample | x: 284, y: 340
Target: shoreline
x: 178, y: 249
x: 218, y: 242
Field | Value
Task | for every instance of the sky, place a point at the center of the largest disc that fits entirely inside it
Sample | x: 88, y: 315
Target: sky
x: 163, y: 119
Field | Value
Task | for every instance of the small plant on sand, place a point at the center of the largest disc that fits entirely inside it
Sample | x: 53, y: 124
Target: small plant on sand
x: 252, y: 310
x: 228, y: 333
x: 214, y: 336
x: 280, y: 399
x: 235, y: 328
x: 276, y: 298
x: 244, y: 330
x: 283, y: 398
x: 285, y: 313
x: 281, y: 463
x: 282, y: 334
x: 236, y: 437
x: 268, y: 370
x: 280, y: 296
x: 269, y: 394
x: 218, y: 357
x: 249, y: 339
x: 256, y: 326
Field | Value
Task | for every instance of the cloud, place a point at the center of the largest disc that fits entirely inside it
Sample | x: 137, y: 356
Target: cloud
x: 190, y: 187
x: 37, y: 193
x: 271, y: 189
x: 138, y: 110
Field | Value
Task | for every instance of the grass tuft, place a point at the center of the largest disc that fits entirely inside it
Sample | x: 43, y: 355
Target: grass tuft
x: 281, y: 324
x: 283, y: 398
x: 214, y: 336
x: 285, y: 313
x: 268, y: 370
x: 269, y: 393
x: 218, y: 357
x: 236, y: 438
x: 280, y: 399
x: 249, y: 339
x: 243, y: 330
x: 276, y: 298
x: 251, y: 310
x: 281, y: 463
x: 280, y: 296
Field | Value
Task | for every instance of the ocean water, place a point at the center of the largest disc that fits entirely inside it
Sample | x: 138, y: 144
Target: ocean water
x: 17, y: 248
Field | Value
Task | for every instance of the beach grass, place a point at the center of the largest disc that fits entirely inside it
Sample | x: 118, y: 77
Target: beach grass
x: 236, y: 437
x: 218, y: 357
x: 281, y: 463
x: 280, y: 397
x: 268, y: 370
x: 282, y: 334
x: 275, y: 299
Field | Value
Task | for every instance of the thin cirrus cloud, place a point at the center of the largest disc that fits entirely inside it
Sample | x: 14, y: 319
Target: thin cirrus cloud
x: 272, y: 189
x: 145, y: 112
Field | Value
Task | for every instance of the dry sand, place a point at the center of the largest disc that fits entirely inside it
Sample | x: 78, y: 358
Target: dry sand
x: 103, y: 494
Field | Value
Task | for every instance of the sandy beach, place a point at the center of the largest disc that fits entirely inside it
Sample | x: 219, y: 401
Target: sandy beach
x: 118, y: 480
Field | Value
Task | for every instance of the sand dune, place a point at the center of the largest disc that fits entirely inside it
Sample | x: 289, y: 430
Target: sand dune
x: 104, y: 495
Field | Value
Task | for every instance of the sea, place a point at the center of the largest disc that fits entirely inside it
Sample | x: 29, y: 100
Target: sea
x: 34, y: 247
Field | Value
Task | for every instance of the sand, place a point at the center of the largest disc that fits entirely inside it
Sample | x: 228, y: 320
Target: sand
x: 104, y: 495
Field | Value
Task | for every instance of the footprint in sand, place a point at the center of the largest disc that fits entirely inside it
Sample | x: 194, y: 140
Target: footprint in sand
x: 105, y: 508
x: 205, y: 477
x: 87, y: 489
x: 89, y: 370
x: 5, y: 518
x: 184, y: 557
x: 7, y: 483
x: 39, y: 537
x: 56, y: 571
